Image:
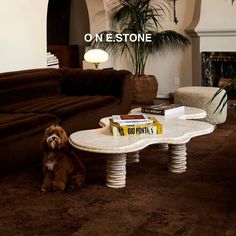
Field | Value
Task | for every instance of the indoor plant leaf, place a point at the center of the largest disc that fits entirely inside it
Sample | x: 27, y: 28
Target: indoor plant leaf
x: 141, y: 17
x: 223, y: 102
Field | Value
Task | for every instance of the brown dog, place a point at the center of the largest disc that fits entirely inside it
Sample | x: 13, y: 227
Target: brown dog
x: 61, y: 166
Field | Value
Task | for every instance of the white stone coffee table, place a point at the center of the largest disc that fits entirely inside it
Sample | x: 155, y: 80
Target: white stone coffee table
x: 178, y: 130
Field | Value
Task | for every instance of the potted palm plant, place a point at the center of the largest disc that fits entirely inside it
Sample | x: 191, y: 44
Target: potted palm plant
x: 139, y: 18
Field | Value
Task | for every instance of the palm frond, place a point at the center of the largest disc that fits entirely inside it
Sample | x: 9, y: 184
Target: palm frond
x: 223, y: 101
x: 167, y: 40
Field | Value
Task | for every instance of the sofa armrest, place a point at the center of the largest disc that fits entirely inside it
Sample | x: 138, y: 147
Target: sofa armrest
x: 79, y: 82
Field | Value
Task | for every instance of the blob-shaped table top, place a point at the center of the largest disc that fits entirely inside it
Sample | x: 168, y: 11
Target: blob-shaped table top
x: 178, y: 129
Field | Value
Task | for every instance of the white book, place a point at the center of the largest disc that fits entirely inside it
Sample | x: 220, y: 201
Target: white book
x: 164, y: 109
x: 53, y: 61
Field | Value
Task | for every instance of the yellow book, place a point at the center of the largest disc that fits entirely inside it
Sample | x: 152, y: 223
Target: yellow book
x: 139, y: 129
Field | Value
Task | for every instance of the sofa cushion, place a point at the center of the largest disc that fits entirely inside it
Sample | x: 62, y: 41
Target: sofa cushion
x: 18, y: 125
x: 94, y: 82
x: 60, y: 105
x: 27, y: 85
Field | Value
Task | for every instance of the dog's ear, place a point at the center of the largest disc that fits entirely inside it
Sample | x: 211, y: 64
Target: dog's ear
x: 63, y: 135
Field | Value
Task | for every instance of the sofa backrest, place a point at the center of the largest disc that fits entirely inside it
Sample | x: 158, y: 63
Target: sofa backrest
x: 94, y: 82
x: 28, y: 84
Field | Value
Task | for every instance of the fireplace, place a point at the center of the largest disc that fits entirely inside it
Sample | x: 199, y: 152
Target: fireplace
x: 218, y: 67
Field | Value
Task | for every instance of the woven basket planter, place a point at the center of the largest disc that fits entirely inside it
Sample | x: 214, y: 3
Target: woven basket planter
x: 144, y: 89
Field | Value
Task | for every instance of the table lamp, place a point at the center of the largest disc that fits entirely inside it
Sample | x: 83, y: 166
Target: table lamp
x: 96, y: 56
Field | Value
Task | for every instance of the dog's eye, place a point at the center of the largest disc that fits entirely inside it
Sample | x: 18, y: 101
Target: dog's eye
x: 50, y: 133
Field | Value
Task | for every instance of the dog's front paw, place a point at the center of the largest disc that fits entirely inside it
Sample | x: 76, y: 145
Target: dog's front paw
x: 46, y: 187
x: 58, y: 186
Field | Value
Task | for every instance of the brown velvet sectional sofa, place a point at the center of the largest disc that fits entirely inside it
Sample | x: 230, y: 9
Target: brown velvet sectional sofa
x: 32, y: 100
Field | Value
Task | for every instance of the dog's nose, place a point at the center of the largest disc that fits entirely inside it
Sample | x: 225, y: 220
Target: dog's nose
x: 53, y: 138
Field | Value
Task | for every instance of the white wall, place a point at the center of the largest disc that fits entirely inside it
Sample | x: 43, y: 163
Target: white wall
x: 97, y: 16
x: 23, y: 42
x: 217, y: 16
x: 217, y: 26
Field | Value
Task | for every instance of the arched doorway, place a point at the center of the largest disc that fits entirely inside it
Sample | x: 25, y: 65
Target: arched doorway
x: 67, y: 22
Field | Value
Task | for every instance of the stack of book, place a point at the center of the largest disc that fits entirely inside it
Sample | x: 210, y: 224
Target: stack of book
x: 52, y: 60
x: 124, y: 125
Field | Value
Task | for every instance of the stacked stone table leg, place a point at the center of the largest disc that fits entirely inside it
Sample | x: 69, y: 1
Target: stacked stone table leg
x: 132, y: 157
x: 163, y: 146
x: 116, y: 171
x: 177, y: 158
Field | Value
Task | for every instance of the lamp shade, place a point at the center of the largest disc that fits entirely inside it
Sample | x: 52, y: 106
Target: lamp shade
x: 96, y: 56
